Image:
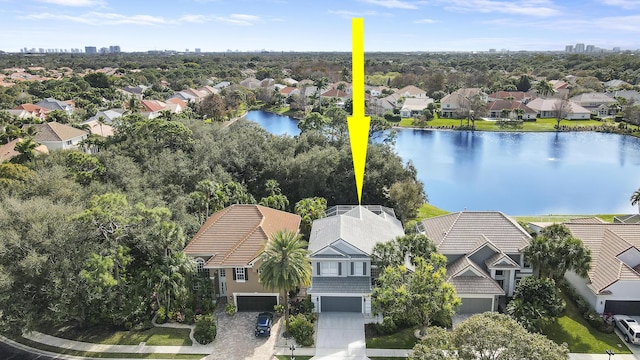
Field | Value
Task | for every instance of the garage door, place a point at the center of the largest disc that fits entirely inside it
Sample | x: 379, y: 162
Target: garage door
x: 622, y: 307
x: 256, y: 303
x: 474, y: 305
x: 340, y: 304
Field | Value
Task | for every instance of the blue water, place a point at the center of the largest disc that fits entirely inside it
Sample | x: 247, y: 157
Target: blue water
x: 517, y: 173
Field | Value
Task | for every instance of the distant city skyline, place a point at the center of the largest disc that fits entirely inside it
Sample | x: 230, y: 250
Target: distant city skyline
x: 294, y: 25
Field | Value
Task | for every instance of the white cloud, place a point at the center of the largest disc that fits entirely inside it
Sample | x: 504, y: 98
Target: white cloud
x: 392, y: 4
x: 538, y: 8
x: 426, y: 21
x: 77, y: 3
x: 99, y: 18
x: 625, y: 4
x: 352, y: 14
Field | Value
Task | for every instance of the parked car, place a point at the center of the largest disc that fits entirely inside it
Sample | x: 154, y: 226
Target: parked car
x: 629, y: 328
x: 263, y: 324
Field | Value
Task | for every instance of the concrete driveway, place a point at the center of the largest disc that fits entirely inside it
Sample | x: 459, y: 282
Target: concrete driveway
x: 340, y: 337
x: 236, y: 339
x: 635, y: 349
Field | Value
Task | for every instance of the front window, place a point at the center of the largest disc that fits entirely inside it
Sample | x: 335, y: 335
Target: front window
x: 329, y: 268
x: 357, y: 268
x: 240, y: 275
x: 222, y: 272
x: 499, y: 273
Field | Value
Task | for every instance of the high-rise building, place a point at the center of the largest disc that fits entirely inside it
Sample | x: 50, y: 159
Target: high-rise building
x: 114, y: 49
x: 591, y: 48
x: 198, y: 50
x: 579, y: 48
x: 568, y: 48
x: 616, y: 49
x: 90, y: 50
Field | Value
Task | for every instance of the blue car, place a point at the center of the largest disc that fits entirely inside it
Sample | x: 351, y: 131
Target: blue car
x: 263, y: 324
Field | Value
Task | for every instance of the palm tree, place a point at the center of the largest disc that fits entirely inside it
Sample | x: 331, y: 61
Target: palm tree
x: 26, y: 148
x: 285, y: 265
x: 320, y: 83
x: 635, y: 199
x: 544, y: 88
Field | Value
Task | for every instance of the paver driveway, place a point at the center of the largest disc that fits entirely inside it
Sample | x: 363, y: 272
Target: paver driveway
x: 235, y: 339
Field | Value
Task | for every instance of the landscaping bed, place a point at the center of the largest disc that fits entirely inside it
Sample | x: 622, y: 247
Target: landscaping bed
x: 572, y: 328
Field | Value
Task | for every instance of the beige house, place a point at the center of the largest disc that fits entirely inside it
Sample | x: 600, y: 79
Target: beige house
x: 228, y: 247
x: 56, y: 136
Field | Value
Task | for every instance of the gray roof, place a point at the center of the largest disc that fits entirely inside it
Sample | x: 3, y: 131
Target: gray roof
x: 461, y: 233
x: 340, y: 285
x: 359, y: 227
x: 53, y: 104
x: 468, y: 278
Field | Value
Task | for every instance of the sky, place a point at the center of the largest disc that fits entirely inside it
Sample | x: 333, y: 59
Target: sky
x: 319, y: 25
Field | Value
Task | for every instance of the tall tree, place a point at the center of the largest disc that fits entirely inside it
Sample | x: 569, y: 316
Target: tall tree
x: 635, y: 199
x: 26, y: 151
x: 544, y: 88
x: 275, y: 199
x: 555, y: 251
x: 493, y: 336
x: 407, y: 197
x: 310, y: 209
x: 397, y: 251
x: 285, y: 265
x: 416, y: 297
x: 562, y: 110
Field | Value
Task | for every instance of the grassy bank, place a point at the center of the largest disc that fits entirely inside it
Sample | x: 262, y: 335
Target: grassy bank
x: 545, y: 124
x: 428, y: 211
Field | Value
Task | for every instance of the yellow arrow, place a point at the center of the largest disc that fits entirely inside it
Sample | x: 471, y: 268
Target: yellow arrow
x: 358, y: 123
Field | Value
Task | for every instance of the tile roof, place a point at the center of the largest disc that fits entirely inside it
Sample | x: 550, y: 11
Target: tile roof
x: 410, y: 90
x: 335, y: 93
x: 340, y: 285
x: 54, y: 131
x: 516, y: 95
x: 236, y: 235
x: 152, y: 105
x: 606, y: 241
x: 468, y: 278
x: 7, y: 150
x: 461, y: 232
x: 359, y: 227
x: 416, y: 104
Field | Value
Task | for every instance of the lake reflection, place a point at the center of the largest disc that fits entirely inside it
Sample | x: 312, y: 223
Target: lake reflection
x: 517, y: 173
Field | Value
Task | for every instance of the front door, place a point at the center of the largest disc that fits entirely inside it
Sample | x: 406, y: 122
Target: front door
x: 222, y: 277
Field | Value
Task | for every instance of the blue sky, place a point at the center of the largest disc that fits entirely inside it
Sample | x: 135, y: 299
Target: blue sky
x: 319, y: 25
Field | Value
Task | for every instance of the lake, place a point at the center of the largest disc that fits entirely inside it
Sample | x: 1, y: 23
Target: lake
x: 516, y: 173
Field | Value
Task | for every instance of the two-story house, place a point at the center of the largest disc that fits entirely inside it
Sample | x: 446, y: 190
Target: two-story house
x: 484, y: 253
x: 340, y: 248
x: 228, y: 246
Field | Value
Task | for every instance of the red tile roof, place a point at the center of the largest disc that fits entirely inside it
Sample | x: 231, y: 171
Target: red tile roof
x: 236, y: 235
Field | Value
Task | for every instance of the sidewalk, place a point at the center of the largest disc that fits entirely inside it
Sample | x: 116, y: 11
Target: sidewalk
x: 142, y: 348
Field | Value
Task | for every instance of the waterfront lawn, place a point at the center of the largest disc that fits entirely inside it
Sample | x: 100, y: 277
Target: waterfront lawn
x: 154, y: 336
x: 403, y: 339
x: 544, y: 124
x: 562, y: 218
x: 573, y: 329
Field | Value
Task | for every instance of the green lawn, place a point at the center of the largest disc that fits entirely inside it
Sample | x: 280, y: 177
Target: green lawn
x: 403, y: 339
x: 428, y: 211
x: 153, y: 336
x: 105, y: 355
x: 581, y: 338
x: 544, y: 124
x: 561, y: 218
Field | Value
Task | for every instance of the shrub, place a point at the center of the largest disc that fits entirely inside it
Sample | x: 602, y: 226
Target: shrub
x: 387, y: 326
x: 189, y: 316
x: 162, y: 315
x: 230, y: 309
x: 205, y: 330
x: 278, y: 309
x: 142, y: 326
x: 307, y: 305
x: 301, y: 329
